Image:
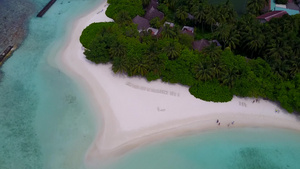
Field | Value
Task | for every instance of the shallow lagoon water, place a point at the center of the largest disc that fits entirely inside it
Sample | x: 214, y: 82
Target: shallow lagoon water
x: 46, y: 122
x: 45, y: 119
x: 247, y: 148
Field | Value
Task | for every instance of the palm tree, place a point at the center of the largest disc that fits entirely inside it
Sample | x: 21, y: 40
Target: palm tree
x: 246, y: 23
x: 217, y: 68
x: 168, y: 32
x: 230, y: 12
x: 233, y: 39
x: 123, y: 17
x: 221, y: 14
x: 294, y: 66
x: 229, y: 76
x: 255, y: 6
x: 296, y: 46
x: 167, y: 2
x: 228, y: 34
x: 120, y: 65
x: 278, y: 49
x: 212, y: 51
x: 181, y: 14
x: 280, y: 69
x: 199, y: 13
x: 170, y: 3
x: 203, y: 71
x: 117, y: 50
x: 255, y: 41
x: 211, y: 18
x: 140, y: 65
x: 172, y: 51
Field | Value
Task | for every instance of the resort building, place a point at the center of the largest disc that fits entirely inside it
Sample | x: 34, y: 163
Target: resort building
x: 268, y: 16
x: 203, y: 43
x: 143, y: 23
x: 154, y: 31
x: 153, y: 3
x: 152, y: 13
x: 170, y: 24
x: 292, y: 5
x: 188, y: 30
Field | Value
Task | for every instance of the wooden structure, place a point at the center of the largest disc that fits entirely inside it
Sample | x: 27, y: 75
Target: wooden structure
x: 268, y: 16
x: 46, y: 8
x: 203, y: 43
x: 5, y: 54
x: 153, y: 13
x: 142, y: 23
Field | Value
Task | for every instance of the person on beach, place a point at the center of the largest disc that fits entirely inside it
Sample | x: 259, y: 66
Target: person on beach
x: 232, y: 122
x: 219, y: 123
x: 217, y: 120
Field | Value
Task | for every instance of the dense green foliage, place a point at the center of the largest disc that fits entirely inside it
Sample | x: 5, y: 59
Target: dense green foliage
x: 132, y: 7
x: 255, y: 60
x: 209, y: 91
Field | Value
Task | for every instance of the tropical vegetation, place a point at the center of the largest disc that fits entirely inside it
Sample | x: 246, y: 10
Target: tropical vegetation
x: 254, y: 59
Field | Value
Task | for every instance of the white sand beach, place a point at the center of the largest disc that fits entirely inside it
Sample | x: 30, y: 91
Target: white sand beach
x: 133, y: 112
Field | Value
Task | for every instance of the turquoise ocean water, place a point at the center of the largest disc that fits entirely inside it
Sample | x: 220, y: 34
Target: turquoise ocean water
x: 46, y: 122
x: 249, y: 148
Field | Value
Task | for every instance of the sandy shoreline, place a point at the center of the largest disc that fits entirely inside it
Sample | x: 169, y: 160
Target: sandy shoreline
x: 133, y: 112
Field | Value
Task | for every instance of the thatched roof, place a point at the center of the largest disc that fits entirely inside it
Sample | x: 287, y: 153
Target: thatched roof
x: 292, y: 5
x: 203, y: 43
x: 143, y: 24
x: 152, y: 13
x: 153, y: 3
x: 200, y: 44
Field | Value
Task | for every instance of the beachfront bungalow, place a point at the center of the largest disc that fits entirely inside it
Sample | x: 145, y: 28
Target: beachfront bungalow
x: 143, y: 23
x: 203, y: 43
x: 170, y: 24
x: 268, y: 16
x: 154, y: 31
x: 188, y: 30
x: 152, y: 13
x: 200, y: 44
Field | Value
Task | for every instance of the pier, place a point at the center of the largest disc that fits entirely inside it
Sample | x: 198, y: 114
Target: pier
x: 5, y: 54
x: 46, y: 8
